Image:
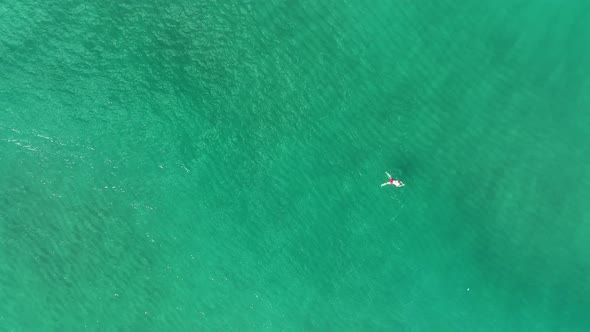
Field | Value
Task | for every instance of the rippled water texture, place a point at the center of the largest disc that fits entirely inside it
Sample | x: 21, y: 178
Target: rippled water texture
x: 216, y: 165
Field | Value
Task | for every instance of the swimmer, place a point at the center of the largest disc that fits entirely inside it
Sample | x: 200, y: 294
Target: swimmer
x: 393, y: 182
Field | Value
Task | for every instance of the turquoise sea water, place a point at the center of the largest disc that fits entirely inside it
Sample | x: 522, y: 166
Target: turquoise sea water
x: 215, y: 165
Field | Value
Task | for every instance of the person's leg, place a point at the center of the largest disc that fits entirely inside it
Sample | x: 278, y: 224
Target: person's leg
x: 389, y: 176
x: 386, y: 183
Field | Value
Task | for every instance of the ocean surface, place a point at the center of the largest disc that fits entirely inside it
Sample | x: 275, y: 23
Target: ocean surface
x: 216, y: 165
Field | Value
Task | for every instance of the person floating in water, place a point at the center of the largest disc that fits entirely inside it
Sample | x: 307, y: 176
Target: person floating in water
x: 393, y: 182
